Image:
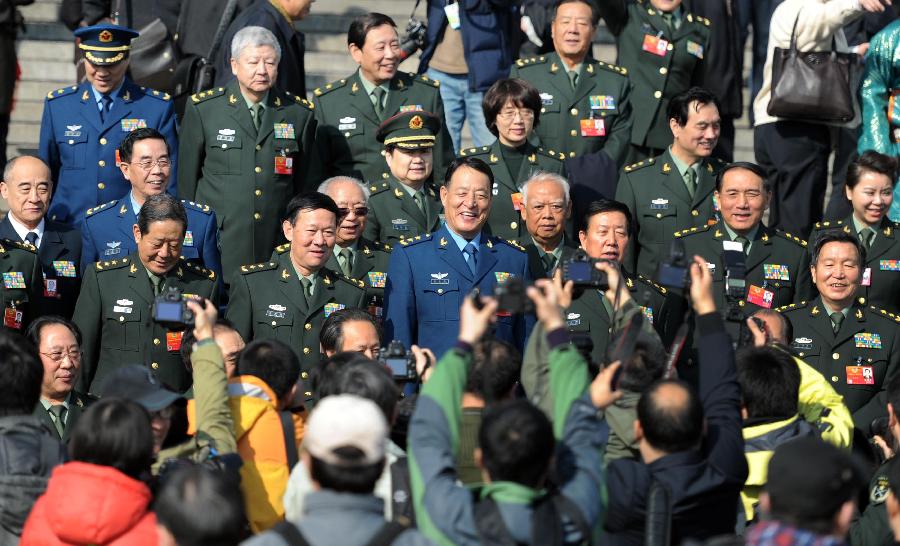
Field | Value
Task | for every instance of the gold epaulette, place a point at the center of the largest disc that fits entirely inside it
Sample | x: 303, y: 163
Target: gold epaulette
x: 161, y: 95
x: 301, y: 101
x: 791, y: 306
x: 621, y: 70
x: 112, y: 264
x: 61, y: 92
x: 691, y: 231
x: 281, y: 249
x: 880, y: 311
x: 208, y: 94
x: 196, y: 206
x: 425, y: 79
x: 554, y: 154
x: 98, y: 208
x: 329, y: 87
x: 659, y: 288
x: 640, y: 164
x: 253, y: 268
x: 378, y: 188
x: 531, y: 60
x: 199, y: 270
x: 473, y: 151
x: 790, y: 237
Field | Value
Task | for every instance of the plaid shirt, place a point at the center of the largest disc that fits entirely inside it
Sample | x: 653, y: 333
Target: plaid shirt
x: 774, y: 533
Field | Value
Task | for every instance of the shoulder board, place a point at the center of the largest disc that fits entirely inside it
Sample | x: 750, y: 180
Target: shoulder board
x: 378, y: 245
x: 281, y: 249
x: 620, y: 70
x: 194, y: 268
x: 415, y: 240
x: 559, y: 156
x: 693, y: 230
x: 196, y: 206
x: 828, y: 224
x: 474, y: 151
x: 659, y: 288
x: 886, y: 314
x: 531, y: 60
x: 511, y: 242
x: 353, y: 282
x: 112, y: 264
x: 640, y: 164
x: 19, y: 244
x: 329, y: 87
x: 98, y: 208
x: 425, y: 79
x: 208, y: 94
x: 791, y: 306
x: 792, y: 238
x: 700, y: 20
x: 378, y: 188
x: 161, y: 95
x: 61, y: 92
x: 253, y: 268
x: 301, y: 101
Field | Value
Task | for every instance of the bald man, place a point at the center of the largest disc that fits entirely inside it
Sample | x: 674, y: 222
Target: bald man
x: 28, y: 188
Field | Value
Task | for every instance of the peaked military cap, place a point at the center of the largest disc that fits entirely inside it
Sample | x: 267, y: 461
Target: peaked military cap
x: 409, y: 130
x: 105, y: 44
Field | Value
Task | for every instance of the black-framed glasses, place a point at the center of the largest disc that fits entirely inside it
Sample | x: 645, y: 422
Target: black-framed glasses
x: 359, y: 211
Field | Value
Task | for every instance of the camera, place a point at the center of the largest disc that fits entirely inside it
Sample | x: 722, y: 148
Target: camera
x: 511, y: 296
x: 170, y: 309
x: 673, y: 271
x: 580, y: 270
x: 735, y: 283
x: 746, y: 336
x: 413, y: 39
x: 399, y: 360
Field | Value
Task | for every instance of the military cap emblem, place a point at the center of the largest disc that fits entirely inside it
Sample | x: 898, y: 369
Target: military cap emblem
x: 416, y: 122
x: 106, y: 36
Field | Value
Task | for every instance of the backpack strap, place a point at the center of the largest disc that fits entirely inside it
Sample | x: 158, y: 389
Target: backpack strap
x: 489, y: 523
x: 568, y: 510
x: 401, y: 493
x: 387, y: 534
x: 290, y: 441
x: 289, y: 532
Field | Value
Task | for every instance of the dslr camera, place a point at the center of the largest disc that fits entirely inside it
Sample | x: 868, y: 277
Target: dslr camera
x: 511, y: 296
x: 580, y: 270
x: 170, y: 309
x: 400, y: 361
x: 413, y: 39
x: 673, y: 271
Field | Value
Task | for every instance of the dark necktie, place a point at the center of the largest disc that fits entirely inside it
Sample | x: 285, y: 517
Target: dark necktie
x: 379, y: 102
x: 58, y: 411
x: 837, y: 319
x: 573, y: 79
x: 307, y: 289
x: 865, y: 237
x: 472, y: 262
x: 346, y: 261
x: 745, y: 244
x: 549, y: 263
x: 105, y: 107
x: 256, y: 114
x: 691, y: 181
x: 31, y: 238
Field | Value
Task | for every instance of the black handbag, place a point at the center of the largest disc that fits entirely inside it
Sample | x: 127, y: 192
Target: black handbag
x: 812, y: 85
x: 153, y: 57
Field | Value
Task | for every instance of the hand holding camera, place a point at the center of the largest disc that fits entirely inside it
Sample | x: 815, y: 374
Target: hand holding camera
x: 613, y: 293
x: 546, y: 296
x: 603, y: 390
x: 701, y: 287
x: 205, y: 315
x: 475, y: 319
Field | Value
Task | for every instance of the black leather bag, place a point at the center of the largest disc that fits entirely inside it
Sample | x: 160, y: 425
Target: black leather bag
x: 812, y: 85
x: 153, y: 57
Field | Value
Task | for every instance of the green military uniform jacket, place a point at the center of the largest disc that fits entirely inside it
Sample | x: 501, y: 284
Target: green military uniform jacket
x: 872, y: 526
x: 661, y: 63
x: 267, y: 302
x: 859, y: 360
x: 242, y: 173
x: 505, y: 220
x: 777, y: 267
x: 655, y: 193
x: 114, y: 314
x: 536, y: 264
x: 23, y: 284
x: 882, y: 263
x: 348, y: 124
x: 78, y: 403
x: 602, y: 95
x: 370, y: 265
x: 394, y: 215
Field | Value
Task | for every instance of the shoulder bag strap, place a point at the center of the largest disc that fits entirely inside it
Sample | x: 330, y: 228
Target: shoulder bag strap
x: 387, y: 534
x: 290, y: 441
x: 289, y: 532
x: 224, y: 22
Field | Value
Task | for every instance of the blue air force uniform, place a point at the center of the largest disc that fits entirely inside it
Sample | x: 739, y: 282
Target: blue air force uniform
x: 107, y: 234
x: 428, y: 277
x: 79, y: 143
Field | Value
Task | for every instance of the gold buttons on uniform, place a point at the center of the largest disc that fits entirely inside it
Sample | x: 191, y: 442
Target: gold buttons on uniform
x: 657, y: 94
x: 835, y: 356
x: 663, y: 70
x: 574, y: 111
x: 573, y: 132
x: 103, y: 141
x: 862, y: 301
x: 101, y: 185
x: 307, y: 326
x: 513, y: 225
x: 834, y: 379
x: 571, y: 154
x: 670, y: 47
x: 101, y: 163
x: 121, y: 319
x: 346, y: 134
x: 258, y: 192
x: 306, y: 350
x: 155, y: 366
x: 274, y: 323
x: 384, y: 175
x: 440, y: 290
x: 258, y: 147
x: 304, y: 375
x: 695, y: 213
x: 257, y: 216
x: 224, y: 146
x: 659, y: 215
x: 156, y: 341
x: 543, y: 110
x: 258, y: 170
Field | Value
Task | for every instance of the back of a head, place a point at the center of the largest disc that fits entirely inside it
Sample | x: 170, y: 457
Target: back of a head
x: 770, y: 382
x: 201, y: 507
x: 114, y: 432
x: 324, y: 378
x: 671, y: 416
x: 273, y: 362
x: 646, y: 365
x: 808, y: 482
x: 21, y: 374
x: 517, y: 442
x: 369, y: 379
x: 495, y: 370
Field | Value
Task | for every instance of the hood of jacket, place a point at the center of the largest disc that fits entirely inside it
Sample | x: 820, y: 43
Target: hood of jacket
x: 249, y: 398
x: 93, y: 504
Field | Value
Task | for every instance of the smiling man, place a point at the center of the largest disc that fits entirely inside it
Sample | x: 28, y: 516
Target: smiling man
x: 776, y: 262
x: 114, y: 308
x: 673, y: 191
x: 855, y: 347
x: 350, y: 110
x: 429, y: 276
x: 289, y: 297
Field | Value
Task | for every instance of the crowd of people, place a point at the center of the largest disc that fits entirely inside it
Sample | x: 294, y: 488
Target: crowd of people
x: 273, y: 319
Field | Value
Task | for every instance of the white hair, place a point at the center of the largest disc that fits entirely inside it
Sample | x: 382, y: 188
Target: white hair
x: 254, y: 37
x: 544, y: 176
x: 326, y: 185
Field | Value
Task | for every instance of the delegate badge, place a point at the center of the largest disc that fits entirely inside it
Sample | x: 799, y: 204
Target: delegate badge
x: 284, y: 165
x: 655, y: 45
x: 516, y: 200
x: 867, y: 340
x: 860, y: 375
x: 593, y: 127
x: 12, y: 318
x: 173, y: 341
x: 760, y: 296
x: 776, y: 272
x: 50, y: 290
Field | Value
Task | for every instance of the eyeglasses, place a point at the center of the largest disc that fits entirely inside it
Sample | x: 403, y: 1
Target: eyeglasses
x: 165, y: 413
x: 58, y: 356
x: 147, y: 164
x: 359, y: 211
x: 510, y: 114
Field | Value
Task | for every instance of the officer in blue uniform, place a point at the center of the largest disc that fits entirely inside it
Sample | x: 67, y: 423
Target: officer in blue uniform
x: 429, y: 275
x: 107, y: 229
x: 82, y: 125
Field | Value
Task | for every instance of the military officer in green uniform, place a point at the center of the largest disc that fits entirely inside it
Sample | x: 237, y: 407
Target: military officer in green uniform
x: 777, y: 266
x: 114, y: 308
x: 350, y: 110
x: 23, y: 284
x: 585, y: 104
x: 856, y: 347
x: 673, y: 191
x: 662, y: 46
x: 546, y: 212
x: 407, y: 205
x: 511, y: 111
x: 289, y: 297
x: 248, y: 149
